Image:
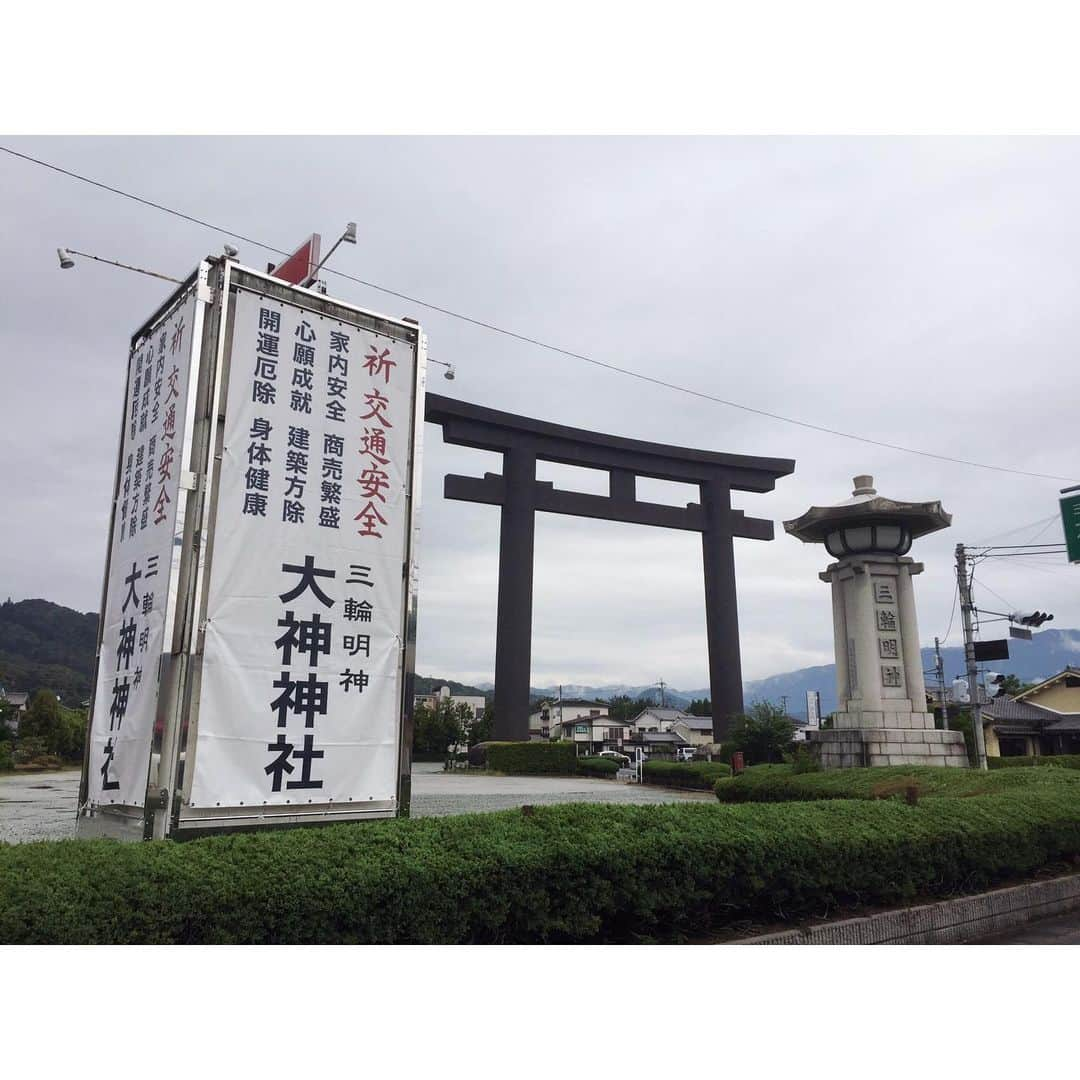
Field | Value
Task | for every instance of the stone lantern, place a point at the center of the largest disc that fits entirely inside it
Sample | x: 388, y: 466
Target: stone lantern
x: 881, y: 717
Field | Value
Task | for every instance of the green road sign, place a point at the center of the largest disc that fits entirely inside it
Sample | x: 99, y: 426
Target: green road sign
x: 1070, y: 520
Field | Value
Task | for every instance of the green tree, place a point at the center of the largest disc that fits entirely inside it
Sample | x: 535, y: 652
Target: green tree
x: 433, y: 732
x: 73, y: 736
x: 700, y: 708
x: 622, y: 708
x: 43, y: 720
x: 483, y: 728
x: 1011, y: 685
x: 764, y: 734
x: 7, y: 717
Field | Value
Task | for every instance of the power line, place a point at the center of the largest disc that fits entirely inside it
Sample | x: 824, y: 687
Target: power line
x: 1018, y: 528
x: 1008, y: 603
x: 952, y: 614
x: 536, y: 341
x: 1052, y: 519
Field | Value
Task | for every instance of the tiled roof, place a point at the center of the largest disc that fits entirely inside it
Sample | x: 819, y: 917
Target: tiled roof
x: 663, y: 713
x: 1015, y: 716
x: 1006, y: 708
x: 697, y: 723
x: 1068, y: 722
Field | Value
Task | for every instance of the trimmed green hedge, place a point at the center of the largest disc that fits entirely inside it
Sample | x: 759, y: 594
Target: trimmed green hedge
x: 557, y: 874
x: 1062, y: 761
x: 602, y: 767
x: 532, y: 758
x: 780, y: 783
x: 700, y: 775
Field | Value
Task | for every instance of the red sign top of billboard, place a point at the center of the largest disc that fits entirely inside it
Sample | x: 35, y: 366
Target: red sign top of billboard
x: 299, y: 267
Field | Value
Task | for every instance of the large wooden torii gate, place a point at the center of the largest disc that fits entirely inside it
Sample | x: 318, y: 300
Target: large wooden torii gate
x: 523, y: 441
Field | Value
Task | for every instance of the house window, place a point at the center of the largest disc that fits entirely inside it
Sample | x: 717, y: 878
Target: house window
x: 581, y: 729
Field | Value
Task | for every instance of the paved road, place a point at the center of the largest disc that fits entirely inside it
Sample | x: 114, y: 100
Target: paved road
x: 41, y: 806
x: 1061, y: 930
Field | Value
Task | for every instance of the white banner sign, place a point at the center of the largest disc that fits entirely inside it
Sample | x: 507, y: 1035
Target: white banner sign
x: 301, y: 693
x: 813, y: 709
x: 137, y: 599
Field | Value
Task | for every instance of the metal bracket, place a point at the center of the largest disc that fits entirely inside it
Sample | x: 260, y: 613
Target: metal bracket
x: 204, y: 292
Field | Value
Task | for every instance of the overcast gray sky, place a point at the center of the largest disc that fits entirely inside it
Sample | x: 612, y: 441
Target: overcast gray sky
x: 917, y: 291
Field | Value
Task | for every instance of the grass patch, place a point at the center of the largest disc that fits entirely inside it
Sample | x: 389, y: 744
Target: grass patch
x: 781, y: 783
x: 1060, y: 761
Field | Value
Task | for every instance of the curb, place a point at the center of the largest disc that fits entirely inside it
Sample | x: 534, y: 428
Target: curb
x: 948, y: 922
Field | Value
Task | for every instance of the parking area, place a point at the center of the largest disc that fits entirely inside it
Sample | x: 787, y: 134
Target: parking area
x: 41, y: 806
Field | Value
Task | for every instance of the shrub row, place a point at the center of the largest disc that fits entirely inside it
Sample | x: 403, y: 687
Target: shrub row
x: 781, y: 783
x: 532, y: 758
x: 578, y: 872
x: 602, y: 767
x: 700, y: 775
x: 521, y: 758
x: 1062, y: 761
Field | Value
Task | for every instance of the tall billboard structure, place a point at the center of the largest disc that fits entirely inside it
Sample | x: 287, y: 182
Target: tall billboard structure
x: 267, y: 678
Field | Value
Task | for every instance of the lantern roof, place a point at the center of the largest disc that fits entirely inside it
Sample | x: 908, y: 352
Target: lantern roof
x: 867, y: 507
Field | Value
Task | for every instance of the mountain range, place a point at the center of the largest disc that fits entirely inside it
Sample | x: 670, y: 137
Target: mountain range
x: 46, y: 645
x: 1046, y: 654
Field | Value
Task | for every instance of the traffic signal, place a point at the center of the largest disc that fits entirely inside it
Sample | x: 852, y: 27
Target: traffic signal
x: 1031, y: 618
x: 994, y: 684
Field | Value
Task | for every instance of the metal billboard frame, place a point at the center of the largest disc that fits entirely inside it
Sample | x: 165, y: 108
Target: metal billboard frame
x: 172, y: 816
x: 132, y: 821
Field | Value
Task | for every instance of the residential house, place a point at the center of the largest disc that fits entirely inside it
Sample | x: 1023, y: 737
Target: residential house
x: 476, y: 704
x: 695, y: 730
x: 585, y: 723
x: 660, y: 731
x: 19, y: 700
x: 1042, y: 720
x: 657, y: 718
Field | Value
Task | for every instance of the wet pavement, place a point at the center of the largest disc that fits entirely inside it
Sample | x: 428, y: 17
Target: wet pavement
x: 1060, y: 930
x: 41, y: 806
x: 38, y: 806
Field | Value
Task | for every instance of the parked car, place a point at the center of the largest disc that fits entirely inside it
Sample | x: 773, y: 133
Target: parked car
x: 622, y: 759
x: 685, y: 753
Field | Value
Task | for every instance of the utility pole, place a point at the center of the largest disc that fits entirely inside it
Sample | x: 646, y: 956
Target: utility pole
x: 662, y: 684
x: 966, y: 608
x: 939, y: 668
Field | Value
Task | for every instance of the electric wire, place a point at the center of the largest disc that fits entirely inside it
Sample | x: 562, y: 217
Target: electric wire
x: 629, y: 372
x: 1008, y: 603
x: 1015, y: 529
x: 952, y: 614
x: 1050, y: 521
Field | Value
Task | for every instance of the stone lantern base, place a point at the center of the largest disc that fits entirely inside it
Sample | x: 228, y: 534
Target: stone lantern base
x: 842, y: 748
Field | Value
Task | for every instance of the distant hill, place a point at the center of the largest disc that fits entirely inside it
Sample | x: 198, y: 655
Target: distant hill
x: 1046, y: 654
x: 422, y: 684
x: 651, y: 692
x: 51, y: 647
x: 46, y: 646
